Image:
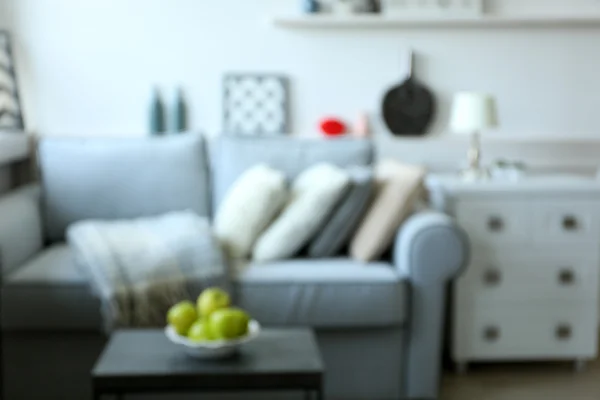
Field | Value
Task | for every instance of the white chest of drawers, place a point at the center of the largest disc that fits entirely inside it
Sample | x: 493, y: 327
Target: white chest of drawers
x: 531, y: 291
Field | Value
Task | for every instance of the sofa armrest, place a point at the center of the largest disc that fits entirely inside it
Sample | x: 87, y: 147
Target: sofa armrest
x: 20, y: 227
x: 431, y: 250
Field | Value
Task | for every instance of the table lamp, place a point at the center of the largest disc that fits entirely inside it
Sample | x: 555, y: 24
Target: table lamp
x: 473, y: 113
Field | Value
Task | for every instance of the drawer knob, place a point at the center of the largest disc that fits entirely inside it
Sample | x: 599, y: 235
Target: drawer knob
x: 495, y: 224
x: 492, y: 277
x: 566, y: 277
x: 564, y: 332
x: 491, y: 333
x: 570, y: 223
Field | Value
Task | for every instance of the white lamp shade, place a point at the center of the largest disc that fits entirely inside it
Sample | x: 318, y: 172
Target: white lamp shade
x: 473, y: 112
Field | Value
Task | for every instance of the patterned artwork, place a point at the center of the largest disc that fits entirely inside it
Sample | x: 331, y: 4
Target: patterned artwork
x: 11, y: 117
x: 255, y: 104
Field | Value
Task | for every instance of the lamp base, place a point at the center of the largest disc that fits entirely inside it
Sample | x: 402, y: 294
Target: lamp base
x: 475, y: 172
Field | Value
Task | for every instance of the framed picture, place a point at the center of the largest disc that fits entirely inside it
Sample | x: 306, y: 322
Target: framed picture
x: 11, y: 114
x: 256, y: 104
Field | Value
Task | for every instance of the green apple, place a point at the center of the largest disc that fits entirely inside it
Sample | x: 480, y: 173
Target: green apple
x: 229, y: 323
x: 211, y: 300
x: 200, y: 331
x: 181, y: 316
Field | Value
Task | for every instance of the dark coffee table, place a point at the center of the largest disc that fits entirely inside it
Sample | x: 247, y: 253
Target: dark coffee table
x: 145, y: 361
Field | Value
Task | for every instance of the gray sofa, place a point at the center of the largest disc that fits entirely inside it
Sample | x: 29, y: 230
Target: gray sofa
x: 379, y: 326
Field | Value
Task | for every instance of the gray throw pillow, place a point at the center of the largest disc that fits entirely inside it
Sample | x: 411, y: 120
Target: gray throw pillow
x: 345, y: 219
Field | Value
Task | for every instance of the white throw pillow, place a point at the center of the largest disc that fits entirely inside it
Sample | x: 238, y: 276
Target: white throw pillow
x: 250, y: 205
x: 314, y: 195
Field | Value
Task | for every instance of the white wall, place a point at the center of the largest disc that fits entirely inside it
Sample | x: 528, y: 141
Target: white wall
x: 87, y: 67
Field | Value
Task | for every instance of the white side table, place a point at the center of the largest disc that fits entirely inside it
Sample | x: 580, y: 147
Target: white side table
x: 531, y: 290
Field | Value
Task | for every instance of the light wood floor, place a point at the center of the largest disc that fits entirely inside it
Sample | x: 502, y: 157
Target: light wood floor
x: 524, y: 382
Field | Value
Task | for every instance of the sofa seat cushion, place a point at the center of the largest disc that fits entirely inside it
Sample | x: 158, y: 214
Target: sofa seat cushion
x: 326, y: 293
x: 49, y: 292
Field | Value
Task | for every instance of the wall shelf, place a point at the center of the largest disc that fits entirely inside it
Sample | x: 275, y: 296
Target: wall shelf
x: 387, y: 22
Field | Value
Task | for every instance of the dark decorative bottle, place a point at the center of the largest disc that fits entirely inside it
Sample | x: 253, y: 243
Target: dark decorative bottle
x: 157, y: 115
x: 311, y: 6
x: 373, y: 6
x: 180, y: 112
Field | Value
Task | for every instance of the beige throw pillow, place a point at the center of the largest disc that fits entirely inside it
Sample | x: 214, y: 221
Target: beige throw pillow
x: 399, y: 186
x: 314, y: 195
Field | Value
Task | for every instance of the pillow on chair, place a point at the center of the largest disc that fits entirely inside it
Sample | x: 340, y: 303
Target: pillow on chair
x: 248, y: 208
x: 314, y: 195
x: 346, y: 217
x: 399, y: 187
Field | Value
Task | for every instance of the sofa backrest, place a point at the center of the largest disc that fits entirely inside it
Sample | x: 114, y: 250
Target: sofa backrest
x: 231, y: 156
x: 121, y: 178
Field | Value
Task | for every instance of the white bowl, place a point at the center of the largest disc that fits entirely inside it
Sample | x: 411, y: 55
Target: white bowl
x: 216, y: 349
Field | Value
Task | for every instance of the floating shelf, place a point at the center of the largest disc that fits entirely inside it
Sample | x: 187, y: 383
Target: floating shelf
x: 383, y: 21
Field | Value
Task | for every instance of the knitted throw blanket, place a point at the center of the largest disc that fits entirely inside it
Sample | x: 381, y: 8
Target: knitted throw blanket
x: 139, y: 268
